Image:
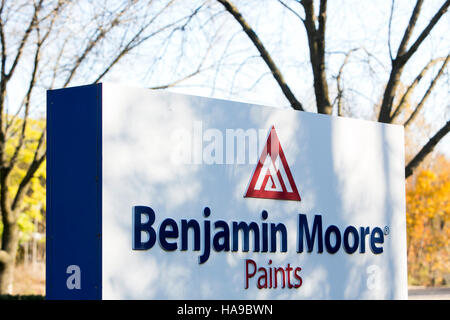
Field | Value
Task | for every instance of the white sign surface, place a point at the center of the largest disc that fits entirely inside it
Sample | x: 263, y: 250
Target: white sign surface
x: 193, y: 159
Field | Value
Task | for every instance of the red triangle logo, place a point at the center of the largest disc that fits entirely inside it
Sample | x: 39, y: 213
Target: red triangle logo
x: 272, y: 178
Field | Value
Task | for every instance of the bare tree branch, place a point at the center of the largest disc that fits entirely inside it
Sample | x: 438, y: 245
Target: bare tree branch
x: 427, y: 93
x: 24, y: 40
x: 264, y: 54
x: 176, y: 82
x: 397, y: 68
x: 38, y: 159
x: 102, y: 32
x: 340, y: 90
x: 426, y: 149
x: 410, y: 28
x: 199, y: 69
x: 3, y: 44
x: 403, y: 55
x: 406, y: 56
x: 322, y: 19
x: 136, y: 40
x: 412, y: 86
x: 31, y: 85
x: 291, y: 10
x: 389, y: 29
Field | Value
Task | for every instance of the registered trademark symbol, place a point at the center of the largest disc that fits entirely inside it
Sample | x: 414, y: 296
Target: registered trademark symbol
x: 386, y: 230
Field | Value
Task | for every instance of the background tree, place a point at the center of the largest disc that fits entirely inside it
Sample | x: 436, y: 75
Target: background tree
x: 47, y: 44
x: 386, y: 62
x: 313, y: 15
x: 31, y: 219
x: 428, y: 224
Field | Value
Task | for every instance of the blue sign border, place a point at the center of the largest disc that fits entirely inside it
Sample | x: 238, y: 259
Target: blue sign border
x: 74, y: 192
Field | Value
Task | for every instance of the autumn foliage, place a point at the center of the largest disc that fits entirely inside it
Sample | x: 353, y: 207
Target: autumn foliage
x: 428, y: 224
x: 33, y: 206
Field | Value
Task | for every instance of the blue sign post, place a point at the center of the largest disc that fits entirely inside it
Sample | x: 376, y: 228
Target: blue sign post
x: 74, y: 193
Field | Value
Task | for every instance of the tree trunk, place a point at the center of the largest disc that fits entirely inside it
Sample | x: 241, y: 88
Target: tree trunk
x: 10, y: 241
x: 389, y: 93
x: 316, y: 41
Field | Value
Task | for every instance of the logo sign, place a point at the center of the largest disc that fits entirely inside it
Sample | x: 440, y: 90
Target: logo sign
x: 272, y: 178
x: 167, y: 196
